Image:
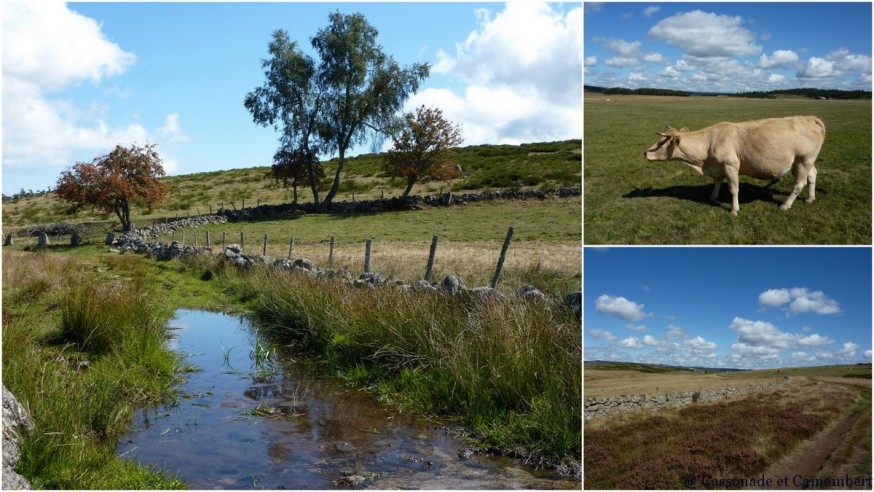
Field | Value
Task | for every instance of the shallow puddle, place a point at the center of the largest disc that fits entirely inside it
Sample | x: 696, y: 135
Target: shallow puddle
x: 248, y: 419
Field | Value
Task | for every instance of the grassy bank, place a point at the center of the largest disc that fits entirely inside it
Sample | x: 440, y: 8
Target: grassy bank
x: 82, y: 353
x: 631, y: 201
x: 510, y: 370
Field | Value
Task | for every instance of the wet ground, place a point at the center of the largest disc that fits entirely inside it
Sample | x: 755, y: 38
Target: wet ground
x: 250, y: 418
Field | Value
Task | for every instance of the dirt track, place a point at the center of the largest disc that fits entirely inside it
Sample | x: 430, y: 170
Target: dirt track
x: 811, y: 461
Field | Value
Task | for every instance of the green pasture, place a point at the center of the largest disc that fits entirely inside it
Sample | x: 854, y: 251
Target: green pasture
x: 631, y: 201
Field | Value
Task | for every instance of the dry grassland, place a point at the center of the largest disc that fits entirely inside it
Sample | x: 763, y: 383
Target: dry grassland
x: 696, y: 446
x: 614, y: 383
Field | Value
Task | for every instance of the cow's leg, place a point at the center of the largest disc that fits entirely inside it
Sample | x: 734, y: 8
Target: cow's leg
x: 811, y: 184
x: 717, y: 182
x: 801, y: 170
x: 732, y: 173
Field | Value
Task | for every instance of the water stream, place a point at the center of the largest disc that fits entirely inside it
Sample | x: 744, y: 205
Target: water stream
x: 248, y: 422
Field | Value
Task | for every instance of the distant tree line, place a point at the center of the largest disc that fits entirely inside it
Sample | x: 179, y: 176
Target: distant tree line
x: 26, y: 194
x: 804, y: 92
x: 807, y: 92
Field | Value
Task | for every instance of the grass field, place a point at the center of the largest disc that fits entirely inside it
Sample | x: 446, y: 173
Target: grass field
x: 631, y: 201
x: 817, y: 426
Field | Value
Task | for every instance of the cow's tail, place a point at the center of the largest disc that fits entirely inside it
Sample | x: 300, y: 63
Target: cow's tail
x: 821, y: 125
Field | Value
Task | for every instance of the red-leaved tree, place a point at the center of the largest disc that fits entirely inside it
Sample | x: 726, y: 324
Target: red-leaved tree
x: 114, y: 181
x: 422, y: 148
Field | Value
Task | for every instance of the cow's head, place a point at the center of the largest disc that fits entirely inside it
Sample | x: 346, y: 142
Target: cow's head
x: 667, y: 146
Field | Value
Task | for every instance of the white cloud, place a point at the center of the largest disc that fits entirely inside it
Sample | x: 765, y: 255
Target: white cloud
x: 620, y: 307
x: 774, y: 297
x: 654, y: 58
x: 601, y: 334
x: 705, y: 34
x: 591, y: 61
x: 868, y: 354
x: 762, y: 340
x: 618, y: 61
x: 523, y: 68
x: 837, y: 64
x: 633, y: 327
x: 649, y: 11
x: 650, y: 340
x: 779, y: 59
x: 814, y: 341
x: 848, y: 351
x: 675, y: 332
x: 800, y: 300
x: 47, y: 48
x: 699, y: 345
x: 171, y: 129
x: 631, y: 342
x: 619, y: 47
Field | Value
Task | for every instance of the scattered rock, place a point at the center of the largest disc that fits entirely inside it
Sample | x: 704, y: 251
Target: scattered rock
x: 15, y: 419
x: 452, y: 284
x: 575, y: 299
x: 8, y: 241
x: 304, y: 264
x: 42, y: 239
x: 531, y: 294
x: 110, y: 238
x: 75, y: 240
x: 465, y: 454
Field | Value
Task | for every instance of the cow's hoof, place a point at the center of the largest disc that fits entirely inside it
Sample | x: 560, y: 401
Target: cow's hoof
x: 734, y: 213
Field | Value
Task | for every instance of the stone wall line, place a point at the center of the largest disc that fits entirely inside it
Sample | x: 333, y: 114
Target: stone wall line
x: 604, y: 406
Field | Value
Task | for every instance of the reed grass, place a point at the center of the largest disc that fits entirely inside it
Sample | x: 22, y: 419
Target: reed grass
x: 511, y: 370
x: 81, y: 358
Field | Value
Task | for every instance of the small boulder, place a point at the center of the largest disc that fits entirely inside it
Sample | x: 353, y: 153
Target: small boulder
x: 110, y: 238
x: 452, y: 284
x: 15, y: 419
x: 75, y: 240
x: 304, y: 264
x: 531, y: 294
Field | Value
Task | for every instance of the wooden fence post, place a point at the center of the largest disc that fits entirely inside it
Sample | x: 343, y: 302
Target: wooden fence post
x: 501, y: 258
x: 195, y: 239
x: 264, y: 248
x: 367, y: 256
x: 223, y: 239
x: 208, y: 245
x: 174, y: 236
x: 431, y: 259
x: 331, y: 254
x: 290, y: 248
x: 183, y: 237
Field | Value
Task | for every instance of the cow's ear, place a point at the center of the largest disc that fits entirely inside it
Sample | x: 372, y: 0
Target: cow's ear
x: 684, y: 130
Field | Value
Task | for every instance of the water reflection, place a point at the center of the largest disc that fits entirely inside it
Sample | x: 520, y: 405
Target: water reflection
x: 245, y: 422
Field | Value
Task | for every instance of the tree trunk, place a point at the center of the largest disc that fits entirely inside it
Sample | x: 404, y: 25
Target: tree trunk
x: 410, y: 183
x: 122, y: 210
x: 336, y: 185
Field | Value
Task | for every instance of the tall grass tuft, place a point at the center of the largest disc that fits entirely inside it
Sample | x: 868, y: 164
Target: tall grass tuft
x: 511, y: 370
x: 81, y: 363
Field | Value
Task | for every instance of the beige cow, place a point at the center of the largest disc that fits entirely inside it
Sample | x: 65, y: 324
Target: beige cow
x: 762, y: 149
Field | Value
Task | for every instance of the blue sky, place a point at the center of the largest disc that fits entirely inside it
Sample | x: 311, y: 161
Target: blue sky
x: 728, y: 47
x: 80, y: 78
x: 743, y: 307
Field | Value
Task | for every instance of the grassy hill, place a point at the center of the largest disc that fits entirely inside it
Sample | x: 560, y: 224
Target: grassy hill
x: 484, y: 167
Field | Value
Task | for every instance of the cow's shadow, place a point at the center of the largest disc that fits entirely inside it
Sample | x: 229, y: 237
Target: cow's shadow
x: 749, y: 192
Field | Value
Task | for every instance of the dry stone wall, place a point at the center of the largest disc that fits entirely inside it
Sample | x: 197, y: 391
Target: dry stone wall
x: 395, y: 203
x: 603, y: 406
